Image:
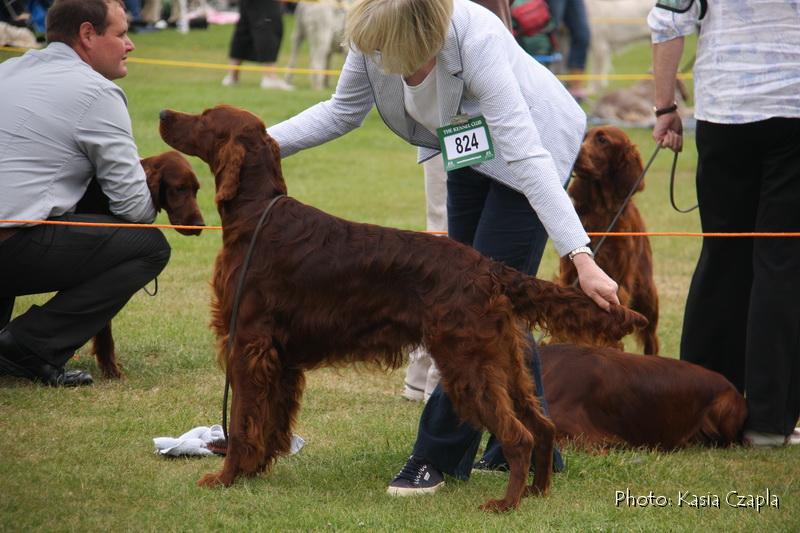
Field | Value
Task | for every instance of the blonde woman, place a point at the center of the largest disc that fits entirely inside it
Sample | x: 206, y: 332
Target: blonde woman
x: 423, y: 63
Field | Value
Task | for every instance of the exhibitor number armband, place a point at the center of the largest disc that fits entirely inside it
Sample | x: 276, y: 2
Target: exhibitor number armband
x: 682, y: 6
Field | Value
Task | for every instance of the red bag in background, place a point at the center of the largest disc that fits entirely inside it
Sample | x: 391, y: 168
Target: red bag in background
x: 529, y: 18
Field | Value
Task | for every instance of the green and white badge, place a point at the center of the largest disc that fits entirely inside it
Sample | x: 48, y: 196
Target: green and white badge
x: 465, y: 143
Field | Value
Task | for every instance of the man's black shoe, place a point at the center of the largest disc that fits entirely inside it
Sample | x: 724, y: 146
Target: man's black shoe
x: 14, y: 361
x: 417, y: 477
x: 58, y: 377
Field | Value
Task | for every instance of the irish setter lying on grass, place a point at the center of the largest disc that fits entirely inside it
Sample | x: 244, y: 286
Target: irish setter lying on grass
x: 601, y: 397
x: 321, y: 290
x: 607, y: 168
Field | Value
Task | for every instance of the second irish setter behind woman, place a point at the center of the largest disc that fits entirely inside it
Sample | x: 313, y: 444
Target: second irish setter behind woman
x: 600, y: 397
x: 321, y: 290
x: 607, y: 168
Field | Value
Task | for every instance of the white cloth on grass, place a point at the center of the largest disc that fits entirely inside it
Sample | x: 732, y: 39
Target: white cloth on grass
x: 195, y: 442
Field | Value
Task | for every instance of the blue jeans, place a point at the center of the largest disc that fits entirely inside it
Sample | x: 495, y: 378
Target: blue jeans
x: 572, y: 14
x: 501, y: 224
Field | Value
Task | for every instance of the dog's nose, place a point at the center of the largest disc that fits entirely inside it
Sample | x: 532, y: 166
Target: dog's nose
x: 163, y: 114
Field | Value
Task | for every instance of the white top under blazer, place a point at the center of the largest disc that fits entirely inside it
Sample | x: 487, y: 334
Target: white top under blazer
x: 536, y: 126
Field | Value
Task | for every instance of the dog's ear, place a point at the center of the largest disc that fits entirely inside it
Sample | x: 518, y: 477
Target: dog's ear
x: 629, y: 168
x: 229, y: 165
x: 154, y: 175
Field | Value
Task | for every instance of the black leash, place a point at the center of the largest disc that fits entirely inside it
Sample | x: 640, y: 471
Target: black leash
x: 628, y: 199
x: 155, y: 288
x: 235, y: 311
x: 672, y: 189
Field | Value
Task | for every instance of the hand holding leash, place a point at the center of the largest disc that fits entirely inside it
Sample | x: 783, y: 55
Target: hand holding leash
x: 668, y: 131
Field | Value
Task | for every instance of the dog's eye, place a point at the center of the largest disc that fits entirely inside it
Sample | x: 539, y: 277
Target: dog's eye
x: 601, y: 138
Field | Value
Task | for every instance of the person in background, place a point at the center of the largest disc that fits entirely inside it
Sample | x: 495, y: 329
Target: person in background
x: 743, y: 308
x: 422, y: 63
x: 572, y: 15
x: 422, y: 376
x: 64, y: 123
x: 257, y: 37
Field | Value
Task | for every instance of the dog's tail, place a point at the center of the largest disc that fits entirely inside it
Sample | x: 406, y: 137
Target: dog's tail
x: 566, y: 312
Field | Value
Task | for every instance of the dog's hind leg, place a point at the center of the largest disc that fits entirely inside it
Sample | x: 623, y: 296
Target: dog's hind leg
x: 541, y: 427
x: 475, y: 378
x: 320, y: 52
x: 298, y: 35
x: 105, y: 353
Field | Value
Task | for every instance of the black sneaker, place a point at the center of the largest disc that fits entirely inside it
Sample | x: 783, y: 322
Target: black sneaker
x: 485, y: 466
x: 417, y: 477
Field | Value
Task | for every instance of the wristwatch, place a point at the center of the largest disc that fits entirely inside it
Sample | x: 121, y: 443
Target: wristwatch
x: 580, y: 250
x: 666, y: 110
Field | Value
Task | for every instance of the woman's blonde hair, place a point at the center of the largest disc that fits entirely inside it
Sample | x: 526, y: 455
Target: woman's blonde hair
x: 406, y: 33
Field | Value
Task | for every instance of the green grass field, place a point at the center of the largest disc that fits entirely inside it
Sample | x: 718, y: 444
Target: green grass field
x: 82, y: 460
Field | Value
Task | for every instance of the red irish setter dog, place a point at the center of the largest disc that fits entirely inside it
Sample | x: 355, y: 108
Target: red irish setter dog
x: 321, y: 290
x: 607, y: 168
x: 602, y: 397
x: 173, y: 187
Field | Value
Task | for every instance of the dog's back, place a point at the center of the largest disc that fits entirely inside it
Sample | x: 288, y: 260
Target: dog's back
x: 602, y: 397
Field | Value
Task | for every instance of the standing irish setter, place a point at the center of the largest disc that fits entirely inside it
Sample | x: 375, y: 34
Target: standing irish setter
x: 607, y: 168
x: 321, y: 290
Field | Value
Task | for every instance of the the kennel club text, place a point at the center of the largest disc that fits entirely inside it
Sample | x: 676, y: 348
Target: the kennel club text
x: 687, y: 498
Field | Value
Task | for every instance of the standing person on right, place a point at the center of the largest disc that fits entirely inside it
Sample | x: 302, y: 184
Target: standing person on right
x: 743, y: 309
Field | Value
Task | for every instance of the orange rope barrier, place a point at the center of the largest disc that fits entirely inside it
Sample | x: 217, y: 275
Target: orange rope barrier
x: 689, y: 234
x: 591, y: 233
x: 105, y: 224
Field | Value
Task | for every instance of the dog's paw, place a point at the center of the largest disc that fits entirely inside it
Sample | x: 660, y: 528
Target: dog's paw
x: 211, y: 480
x: 532, y: 490
x: 497, y: 506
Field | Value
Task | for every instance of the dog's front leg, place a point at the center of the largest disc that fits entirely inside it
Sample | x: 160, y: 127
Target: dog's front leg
x: 253, y: 367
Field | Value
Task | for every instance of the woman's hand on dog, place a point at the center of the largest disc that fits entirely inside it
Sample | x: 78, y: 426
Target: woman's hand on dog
x: 596, y: 283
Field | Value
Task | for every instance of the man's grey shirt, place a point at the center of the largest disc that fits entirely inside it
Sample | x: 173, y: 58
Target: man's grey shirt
x: 61, y: 123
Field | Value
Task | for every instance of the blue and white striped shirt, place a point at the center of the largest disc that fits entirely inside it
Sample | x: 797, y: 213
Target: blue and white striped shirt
x: 61, y: 123
x: 748, y: 57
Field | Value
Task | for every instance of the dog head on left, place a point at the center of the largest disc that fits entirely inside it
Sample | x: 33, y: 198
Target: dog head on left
x: 173, y: 187
x: 606, y: 170
x: 229, y: 140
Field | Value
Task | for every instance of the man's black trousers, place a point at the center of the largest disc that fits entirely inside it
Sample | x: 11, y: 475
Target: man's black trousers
x: 93, y: 270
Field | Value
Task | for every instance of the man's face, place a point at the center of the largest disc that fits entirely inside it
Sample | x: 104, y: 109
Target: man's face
x: 109, y: 51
